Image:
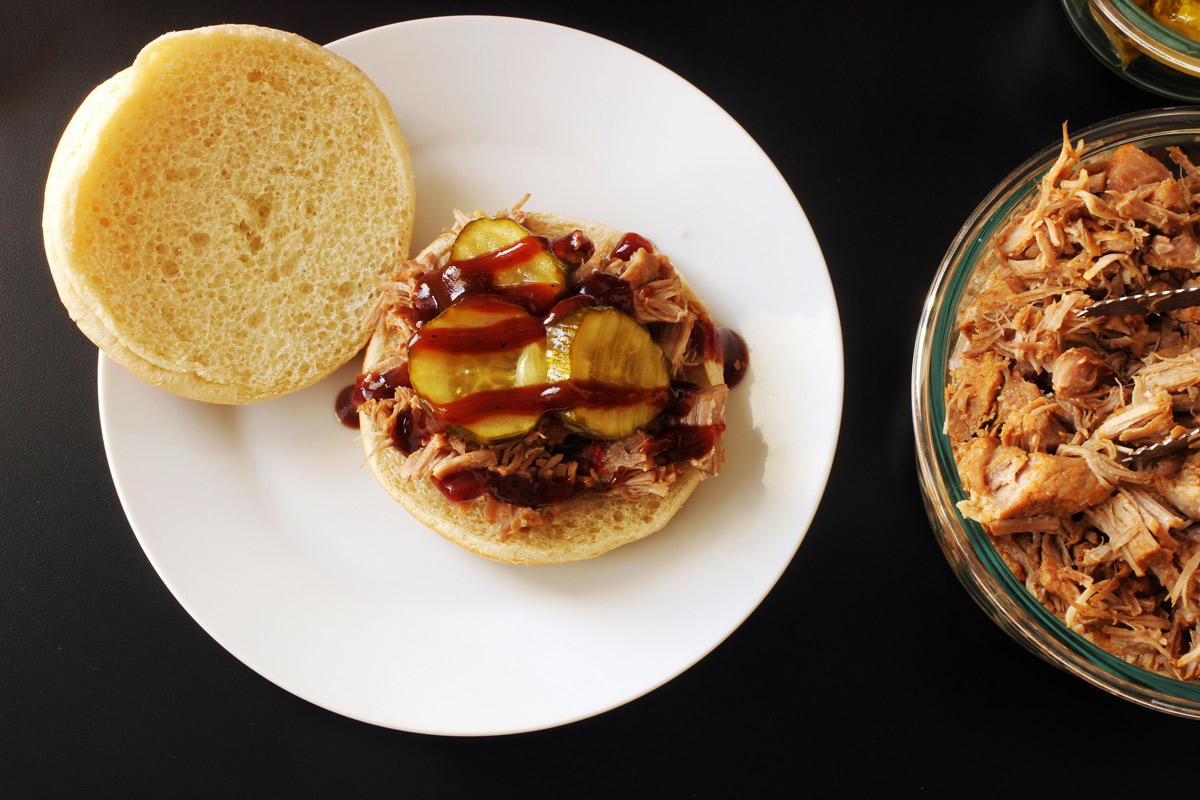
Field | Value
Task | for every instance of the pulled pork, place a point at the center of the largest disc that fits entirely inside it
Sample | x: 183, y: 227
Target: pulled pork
x: 552, y: 455
x: 1042, y: 404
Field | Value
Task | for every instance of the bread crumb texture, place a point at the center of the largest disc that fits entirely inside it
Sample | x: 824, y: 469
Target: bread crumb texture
x: 240, y: 208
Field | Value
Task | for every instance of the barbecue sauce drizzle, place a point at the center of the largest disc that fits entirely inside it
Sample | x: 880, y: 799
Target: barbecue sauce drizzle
x: 670, y: 441
x: 442, y: 288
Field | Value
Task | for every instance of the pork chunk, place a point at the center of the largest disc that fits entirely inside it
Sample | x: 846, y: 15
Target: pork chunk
x: 1130, y: 168
x: 1006, y: 482
x: 972, y: 391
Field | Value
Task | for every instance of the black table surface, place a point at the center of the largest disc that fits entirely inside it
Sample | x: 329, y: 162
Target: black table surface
x: 867, y: 668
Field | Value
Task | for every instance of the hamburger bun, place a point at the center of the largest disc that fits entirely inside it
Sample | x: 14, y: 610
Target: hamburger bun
x: 220, y: 215
x: 585, y: 527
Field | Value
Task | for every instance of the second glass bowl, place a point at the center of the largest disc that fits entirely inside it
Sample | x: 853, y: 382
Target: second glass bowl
x: 1139, y: 48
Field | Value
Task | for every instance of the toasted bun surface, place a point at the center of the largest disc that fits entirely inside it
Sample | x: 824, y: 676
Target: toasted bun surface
x: 219, y: 216
x: 585, y: 527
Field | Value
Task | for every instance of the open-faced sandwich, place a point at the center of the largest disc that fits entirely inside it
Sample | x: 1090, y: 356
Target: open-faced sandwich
x: 543, y: 389
x: 220, y: 216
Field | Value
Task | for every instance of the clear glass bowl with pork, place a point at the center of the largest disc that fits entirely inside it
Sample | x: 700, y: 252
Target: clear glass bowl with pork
x: 1040, y: 424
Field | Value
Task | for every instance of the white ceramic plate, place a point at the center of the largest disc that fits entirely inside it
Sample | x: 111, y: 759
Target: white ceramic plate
x: 270, y: 531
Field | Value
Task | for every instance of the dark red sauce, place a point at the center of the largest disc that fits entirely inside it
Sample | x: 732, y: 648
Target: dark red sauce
x: 679, y: 443
x: 520, y: 490
x: 702, y: 343
x: 566, y: 307
x: 515, y: 254
x: 709, y: 342
x: 544, y: 398
x: 380, y: 385
x: 442, y: 288
x: 595, y: 459
x: 574, y: 248
x: 439, y: 290
x: 630, y: 243
x: 509, y: 334
x: 411, y: 429
x: 607, y: 290
x: 369, y: 386
x: 345, y: 408
x: 468, y: 484
x: 683, y: 397
x: 737, y: 357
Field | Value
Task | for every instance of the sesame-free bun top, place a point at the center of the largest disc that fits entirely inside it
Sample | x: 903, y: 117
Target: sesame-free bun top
x: 587, y: 526
x: 219, y: 216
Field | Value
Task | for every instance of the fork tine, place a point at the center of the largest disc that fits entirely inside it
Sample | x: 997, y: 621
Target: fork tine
x: 1145, y: 303
x: 1159, y: 449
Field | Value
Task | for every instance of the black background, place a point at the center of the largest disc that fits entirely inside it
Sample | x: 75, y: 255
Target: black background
x: 866, y: 668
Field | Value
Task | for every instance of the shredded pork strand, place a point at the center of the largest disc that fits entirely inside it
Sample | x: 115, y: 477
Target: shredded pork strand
x: 1043, y: 403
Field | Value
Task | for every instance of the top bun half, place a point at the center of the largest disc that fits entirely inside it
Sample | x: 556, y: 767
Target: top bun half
x: 219, y: 216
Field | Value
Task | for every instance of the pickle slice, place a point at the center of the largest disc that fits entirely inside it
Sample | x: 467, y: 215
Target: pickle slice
x: 467, y: 361
x: 620, y: 372
x: 536, y: 266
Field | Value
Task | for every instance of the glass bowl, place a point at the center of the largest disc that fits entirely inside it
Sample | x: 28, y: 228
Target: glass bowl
x: 965, y: 544
x: 1138, y: 47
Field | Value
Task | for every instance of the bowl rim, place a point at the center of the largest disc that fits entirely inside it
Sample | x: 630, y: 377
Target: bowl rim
x: 1155, y: 38
x: 963, y: 542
